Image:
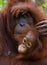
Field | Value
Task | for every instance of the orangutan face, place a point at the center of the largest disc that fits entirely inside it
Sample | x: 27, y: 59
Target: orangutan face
x: 24, y: 32
x: 22, y: 29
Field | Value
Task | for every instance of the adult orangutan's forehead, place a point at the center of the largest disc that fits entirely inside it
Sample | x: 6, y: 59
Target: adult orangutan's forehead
x: 20, y: 12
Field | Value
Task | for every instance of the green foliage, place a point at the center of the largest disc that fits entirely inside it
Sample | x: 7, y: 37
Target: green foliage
x: 2, y: 3
x: 44, y: 5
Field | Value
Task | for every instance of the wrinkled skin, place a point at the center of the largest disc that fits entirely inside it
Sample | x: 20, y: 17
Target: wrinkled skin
x: 23, y: 38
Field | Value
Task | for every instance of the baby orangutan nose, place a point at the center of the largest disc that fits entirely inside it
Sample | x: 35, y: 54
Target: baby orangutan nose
x: 26, y: 43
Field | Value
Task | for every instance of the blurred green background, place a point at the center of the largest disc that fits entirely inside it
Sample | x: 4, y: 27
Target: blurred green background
x: 3, y: 3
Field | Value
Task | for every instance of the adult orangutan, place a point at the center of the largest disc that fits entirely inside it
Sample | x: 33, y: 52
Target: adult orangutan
x: 23, y: 34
